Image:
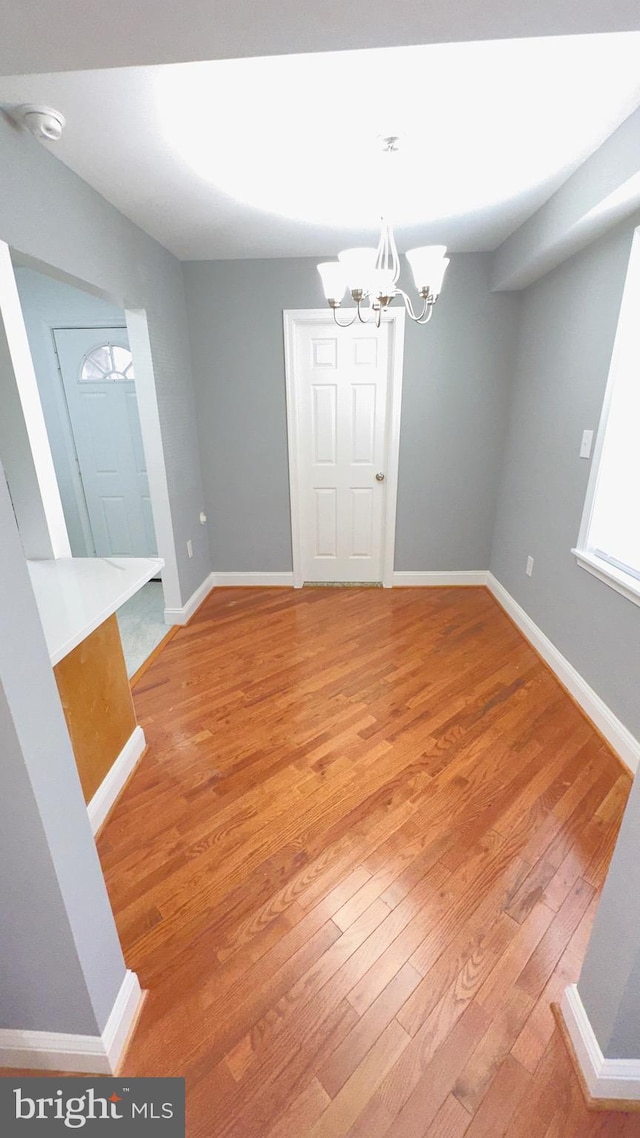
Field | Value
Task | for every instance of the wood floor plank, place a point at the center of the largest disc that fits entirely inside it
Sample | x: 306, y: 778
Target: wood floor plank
x: 476, y: 1076
x: 415, y: 1091
x: 537, y: 1032
x: 261, y: 1100
x: 400, y: 935
x: 358, y: 860
x: 452, y: 1006
x: 507, y: 1089
x: 374, y: 1122
x: 294, y: 1003
x: 547, y: 1096
x: 541, y: 963
x: 451, y: 1121
x: 525, y: 942
x: 469, y: 941
x: 346, y: 1058
x: 362, y: 1084
x: 375, y: 887
x: 303, y: 1113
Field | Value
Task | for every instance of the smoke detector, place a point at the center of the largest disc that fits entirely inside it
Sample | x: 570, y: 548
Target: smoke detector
x: 44, y: 123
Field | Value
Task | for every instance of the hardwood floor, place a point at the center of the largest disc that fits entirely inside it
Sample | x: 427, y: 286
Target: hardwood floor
x: 357, y: 864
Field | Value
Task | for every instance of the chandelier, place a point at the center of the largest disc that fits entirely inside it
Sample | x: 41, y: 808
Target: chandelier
x: 372, y: 274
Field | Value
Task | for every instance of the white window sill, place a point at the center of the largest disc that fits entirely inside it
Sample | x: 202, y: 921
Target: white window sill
x: 617, y: 579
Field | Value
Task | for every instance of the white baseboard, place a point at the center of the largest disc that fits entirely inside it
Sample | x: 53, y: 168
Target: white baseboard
x: 115, y: 779
x: 285, y: 580
x: 281, y: 580
x: 88, y: 1054
x: 626, y: 746
x: 455, y: 577
x: 122, y: 1019
x: 604, y: 1078
x: 184, y: 614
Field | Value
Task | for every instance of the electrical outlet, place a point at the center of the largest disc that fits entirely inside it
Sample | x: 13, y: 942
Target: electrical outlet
x: 529, y: 569
x: 190, y: 548
x: 585, y: 445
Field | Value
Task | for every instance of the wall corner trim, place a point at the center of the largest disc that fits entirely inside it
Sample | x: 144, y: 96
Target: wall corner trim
x: 115, y: 779
x: 619, y: 738
x: 603, y: 1078
x: 430, y: 578
x: 183, y: 615
x: 87, y: 1054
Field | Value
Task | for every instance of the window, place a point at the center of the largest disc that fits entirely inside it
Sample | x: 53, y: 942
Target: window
x: 609, y: 541
x: 109, y: 363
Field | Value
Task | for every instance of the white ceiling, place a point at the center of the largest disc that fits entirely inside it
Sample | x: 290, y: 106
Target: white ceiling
x: 277, y: 157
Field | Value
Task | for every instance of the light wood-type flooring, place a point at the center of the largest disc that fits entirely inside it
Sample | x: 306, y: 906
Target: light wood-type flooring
x: 360, y: 859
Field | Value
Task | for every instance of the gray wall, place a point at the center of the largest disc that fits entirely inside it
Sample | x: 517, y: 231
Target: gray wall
x: 47, y: 303
x: 61, y: 966
x: 567, y: 332
x: 456, y: 380
x: 51, y: 215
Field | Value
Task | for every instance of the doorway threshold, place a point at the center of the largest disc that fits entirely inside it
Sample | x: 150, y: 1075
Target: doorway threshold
x: 342, y: 584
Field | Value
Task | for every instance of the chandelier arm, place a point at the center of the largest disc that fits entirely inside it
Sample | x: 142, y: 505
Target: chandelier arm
x: 426, y: 315
x: 380, y: 251
x: 361, y: 318
x: 395, y: 259
x: 387, y: 258
x: 348, y: 323
x: 427, y: 309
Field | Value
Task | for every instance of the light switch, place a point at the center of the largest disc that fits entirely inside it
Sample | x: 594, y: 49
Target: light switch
x: 585, y: 445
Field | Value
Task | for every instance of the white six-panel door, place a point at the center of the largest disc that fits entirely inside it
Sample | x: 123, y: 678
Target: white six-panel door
x: 342, y: 379
x: 103, y: 412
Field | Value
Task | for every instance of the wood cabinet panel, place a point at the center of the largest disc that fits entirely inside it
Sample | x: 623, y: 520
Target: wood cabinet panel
x: 96, y: 699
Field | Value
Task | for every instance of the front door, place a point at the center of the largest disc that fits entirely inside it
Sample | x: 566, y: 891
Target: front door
x: 97, y: 374
x: 341, y: 377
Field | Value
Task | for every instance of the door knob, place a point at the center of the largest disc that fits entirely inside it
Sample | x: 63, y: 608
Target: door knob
x: 379, y: 477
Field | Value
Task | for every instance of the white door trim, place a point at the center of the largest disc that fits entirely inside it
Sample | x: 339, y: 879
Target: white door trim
x: 291, y: 317
x: 55, y: 527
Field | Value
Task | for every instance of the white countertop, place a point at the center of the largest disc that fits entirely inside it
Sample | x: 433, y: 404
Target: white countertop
x: 76, y: 594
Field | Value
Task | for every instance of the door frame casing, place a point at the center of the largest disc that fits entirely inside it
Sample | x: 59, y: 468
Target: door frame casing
x: 323, y: 317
